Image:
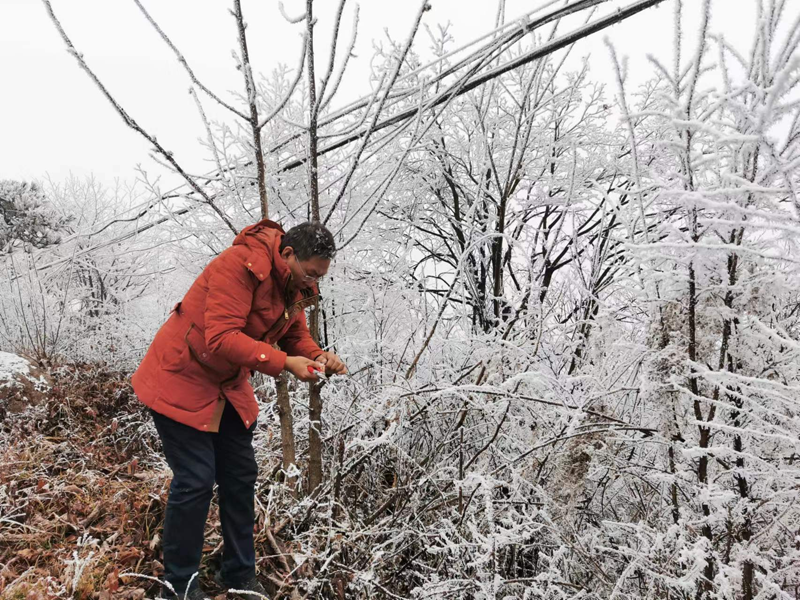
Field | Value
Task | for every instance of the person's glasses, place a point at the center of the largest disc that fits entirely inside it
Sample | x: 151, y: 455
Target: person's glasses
x: 307, y: 277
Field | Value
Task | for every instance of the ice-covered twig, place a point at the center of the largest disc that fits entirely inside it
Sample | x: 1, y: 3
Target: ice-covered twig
x: 184, y: 62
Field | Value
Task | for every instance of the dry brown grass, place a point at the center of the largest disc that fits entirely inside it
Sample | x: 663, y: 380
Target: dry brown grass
x: 81, y: 492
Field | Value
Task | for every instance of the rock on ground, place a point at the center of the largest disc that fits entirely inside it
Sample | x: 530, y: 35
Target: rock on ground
x: 22, y: 383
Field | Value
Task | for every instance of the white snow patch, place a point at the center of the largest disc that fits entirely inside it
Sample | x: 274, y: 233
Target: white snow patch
x: 15, y: 370
x: 12, y: 367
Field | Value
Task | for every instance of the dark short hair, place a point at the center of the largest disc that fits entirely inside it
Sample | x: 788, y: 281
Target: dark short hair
x: 310, y: 239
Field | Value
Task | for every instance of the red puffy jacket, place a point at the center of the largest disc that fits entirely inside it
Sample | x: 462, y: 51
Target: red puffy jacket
x: 223, y: 329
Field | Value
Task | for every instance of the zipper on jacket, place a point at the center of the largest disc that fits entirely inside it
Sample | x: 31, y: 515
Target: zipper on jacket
x: 314, y: 298
x: 287, y: 306
x: 286, y: 298
x: 277, y: 326
x: 293, y: 304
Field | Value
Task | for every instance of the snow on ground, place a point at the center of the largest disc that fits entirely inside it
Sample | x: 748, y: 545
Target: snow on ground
x: 21, y: 382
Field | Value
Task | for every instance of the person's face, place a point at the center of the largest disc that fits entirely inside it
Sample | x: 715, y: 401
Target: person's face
x: 305, y: 273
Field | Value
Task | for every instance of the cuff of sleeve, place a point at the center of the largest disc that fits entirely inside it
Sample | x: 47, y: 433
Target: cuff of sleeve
x: 270, y: 360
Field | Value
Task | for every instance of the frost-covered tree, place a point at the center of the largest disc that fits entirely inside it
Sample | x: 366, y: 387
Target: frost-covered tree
x: 714, y: 171
x: 26, y: 218
x: 572, y: 321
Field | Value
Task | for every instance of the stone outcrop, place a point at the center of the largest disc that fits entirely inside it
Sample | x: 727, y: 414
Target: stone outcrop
x: 22, y: 383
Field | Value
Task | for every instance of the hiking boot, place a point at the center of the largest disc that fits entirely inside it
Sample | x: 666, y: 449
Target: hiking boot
x: 248, y: 589
x: 195, y: 594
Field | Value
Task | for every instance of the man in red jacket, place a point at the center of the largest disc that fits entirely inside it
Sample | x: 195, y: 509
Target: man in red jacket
x: 195, y: 379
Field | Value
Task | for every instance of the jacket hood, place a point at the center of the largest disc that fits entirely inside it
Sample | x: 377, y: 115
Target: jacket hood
x: 264, y: 241
x: 263, y: 233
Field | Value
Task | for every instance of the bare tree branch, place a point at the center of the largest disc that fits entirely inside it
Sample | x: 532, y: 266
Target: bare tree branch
x: 182, y: 60
x: 168, y: 156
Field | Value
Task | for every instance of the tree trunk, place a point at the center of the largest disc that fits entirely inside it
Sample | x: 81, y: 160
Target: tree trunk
x: 315, y: 419
x: 281, y: 382
x: 287, y: 428
x: 314, y: 400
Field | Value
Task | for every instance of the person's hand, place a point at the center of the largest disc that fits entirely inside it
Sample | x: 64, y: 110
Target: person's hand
x: 298, y: 366
x: 333, y: 364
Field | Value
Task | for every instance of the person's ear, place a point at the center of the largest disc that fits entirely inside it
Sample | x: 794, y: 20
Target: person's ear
x: 287, y: 252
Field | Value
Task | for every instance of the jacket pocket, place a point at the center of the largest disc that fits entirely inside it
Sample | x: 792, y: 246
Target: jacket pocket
x: 196, y: 345
x: 175, y: 356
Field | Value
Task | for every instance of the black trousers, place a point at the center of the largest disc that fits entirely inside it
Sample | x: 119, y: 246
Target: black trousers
x: 197, y: 460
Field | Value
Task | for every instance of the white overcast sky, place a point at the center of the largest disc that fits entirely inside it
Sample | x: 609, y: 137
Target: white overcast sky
x: 54, y: 122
